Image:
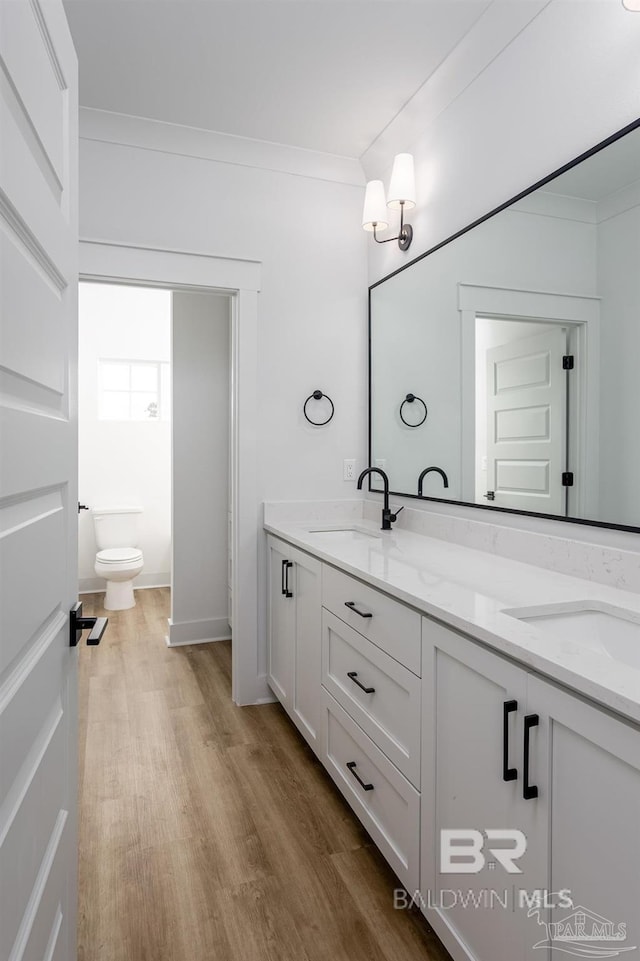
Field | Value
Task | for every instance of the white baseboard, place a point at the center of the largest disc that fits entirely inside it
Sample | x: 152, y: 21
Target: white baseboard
x: 198, y: 632
x: 92, y: 585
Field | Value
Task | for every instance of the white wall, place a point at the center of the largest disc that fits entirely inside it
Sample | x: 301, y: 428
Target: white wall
x: 123, y: 462
x: 305, y: 230
x: 564, y: 83
x: 201, y: 363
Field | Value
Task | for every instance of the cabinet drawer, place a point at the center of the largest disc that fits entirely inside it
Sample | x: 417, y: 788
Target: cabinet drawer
x: 390, y: 808
x: 391, y: 626
x: 390, y: 713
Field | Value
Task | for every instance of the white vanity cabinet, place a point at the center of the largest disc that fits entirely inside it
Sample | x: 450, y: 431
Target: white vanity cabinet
x: 344, y: 661
x: 425, y: 730
x: 504, y: 749
x: 371, y: 713
x: 294, y: 622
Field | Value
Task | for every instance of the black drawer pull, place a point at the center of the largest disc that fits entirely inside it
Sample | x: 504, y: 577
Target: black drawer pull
x: 352, y: 767
x: 286, y: 565
x: 529, y: 791
x: 508, y: 773
x: 352, y: 607
x: 354, y: 677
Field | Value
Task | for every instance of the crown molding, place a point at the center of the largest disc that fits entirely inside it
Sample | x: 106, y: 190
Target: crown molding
x: 493, y: 31
x: 125, y: 130
x: 545, y: 203
x: 619, y: 202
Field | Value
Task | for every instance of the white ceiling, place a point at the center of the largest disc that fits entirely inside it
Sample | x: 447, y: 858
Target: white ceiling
x: 326, y: 75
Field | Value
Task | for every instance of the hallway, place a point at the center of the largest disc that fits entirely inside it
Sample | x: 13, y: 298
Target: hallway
x: 210, y: 832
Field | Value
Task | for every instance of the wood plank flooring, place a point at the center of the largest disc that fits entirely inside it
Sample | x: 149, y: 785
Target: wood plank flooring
x: 210, y: 832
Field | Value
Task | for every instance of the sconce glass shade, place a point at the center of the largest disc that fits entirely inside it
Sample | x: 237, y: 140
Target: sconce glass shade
x: 633, y: 5
x: 402, y: 189
x: 375, y: 209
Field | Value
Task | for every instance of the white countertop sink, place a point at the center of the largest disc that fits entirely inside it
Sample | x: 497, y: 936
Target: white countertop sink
x: 591, y: 625
x: 583, y: 634
x: 345, y: 535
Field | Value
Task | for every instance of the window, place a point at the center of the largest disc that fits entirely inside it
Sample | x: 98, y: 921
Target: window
x: 133, y: 390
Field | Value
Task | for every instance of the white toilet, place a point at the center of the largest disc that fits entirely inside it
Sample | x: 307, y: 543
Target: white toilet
x: 118, y: 560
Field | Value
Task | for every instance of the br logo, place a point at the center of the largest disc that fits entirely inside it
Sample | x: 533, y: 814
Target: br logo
x: 462, y: 851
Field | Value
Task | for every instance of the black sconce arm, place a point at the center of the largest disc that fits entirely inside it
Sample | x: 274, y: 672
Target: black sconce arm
x: 405, y: 236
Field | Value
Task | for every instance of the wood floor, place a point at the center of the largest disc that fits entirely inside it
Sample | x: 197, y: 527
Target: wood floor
x: 210, y: 832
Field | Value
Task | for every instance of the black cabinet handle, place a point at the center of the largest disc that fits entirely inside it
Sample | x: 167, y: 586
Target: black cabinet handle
x: 352, y: 607
x: 508, y: 773
x: 283, y: 589
x: 287, y: 566
x: 354, y: 677
x: 529, y: 791
x: 352, y: 767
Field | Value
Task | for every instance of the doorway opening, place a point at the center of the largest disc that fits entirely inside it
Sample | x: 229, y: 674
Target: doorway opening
x: 154, y: 452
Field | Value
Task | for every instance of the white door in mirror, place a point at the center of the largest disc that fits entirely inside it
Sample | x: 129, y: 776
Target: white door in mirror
x: 526, y: 423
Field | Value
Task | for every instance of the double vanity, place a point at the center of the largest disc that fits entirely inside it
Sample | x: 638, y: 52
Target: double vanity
x: 481, y: 716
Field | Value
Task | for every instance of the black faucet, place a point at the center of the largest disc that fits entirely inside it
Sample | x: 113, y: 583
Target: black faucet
x: 427, y: 470
x: 387, y: 517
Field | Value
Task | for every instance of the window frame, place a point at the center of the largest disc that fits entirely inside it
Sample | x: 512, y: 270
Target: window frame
x: 163, y: 396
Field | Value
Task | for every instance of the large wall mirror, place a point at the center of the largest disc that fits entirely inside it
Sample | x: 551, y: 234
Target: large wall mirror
x: 509, y: 357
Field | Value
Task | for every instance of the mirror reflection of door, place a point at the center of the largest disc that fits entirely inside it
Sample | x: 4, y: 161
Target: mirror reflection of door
x: 521, y: 415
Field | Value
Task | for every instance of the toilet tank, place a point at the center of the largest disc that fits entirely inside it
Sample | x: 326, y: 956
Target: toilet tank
x: 116, y: 526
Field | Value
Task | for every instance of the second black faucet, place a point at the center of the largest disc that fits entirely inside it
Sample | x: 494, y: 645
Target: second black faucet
x: 427, y: 470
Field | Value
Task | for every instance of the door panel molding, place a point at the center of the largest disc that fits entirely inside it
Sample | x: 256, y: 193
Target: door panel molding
x: 33, y: 908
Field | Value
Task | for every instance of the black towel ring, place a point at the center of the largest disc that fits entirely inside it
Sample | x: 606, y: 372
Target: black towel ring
x: 318, y: 395
x: 409, y: 399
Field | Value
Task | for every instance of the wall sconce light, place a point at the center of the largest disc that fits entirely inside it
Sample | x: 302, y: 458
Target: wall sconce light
x: 402, y: 196
x: 633, y: 5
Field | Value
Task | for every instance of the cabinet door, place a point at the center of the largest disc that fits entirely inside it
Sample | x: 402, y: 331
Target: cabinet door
x: 589, y: 782
x: 305, y: 584
x: 465, y: 690
x: 281, y: 624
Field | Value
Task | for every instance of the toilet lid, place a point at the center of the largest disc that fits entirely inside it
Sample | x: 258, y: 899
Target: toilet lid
x: 119, y: 555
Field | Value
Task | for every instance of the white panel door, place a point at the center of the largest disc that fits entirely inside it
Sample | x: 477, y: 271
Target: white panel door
x: 38, y: 480
x: 526, y: 423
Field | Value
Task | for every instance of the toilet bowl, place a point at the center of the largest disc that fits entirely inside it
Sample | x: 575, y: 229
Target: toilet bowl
x: 119, y: 560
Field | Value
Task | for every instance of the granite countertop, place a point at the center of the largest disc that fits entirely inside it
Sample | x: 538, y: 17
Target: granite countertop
x: 469, y: 590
